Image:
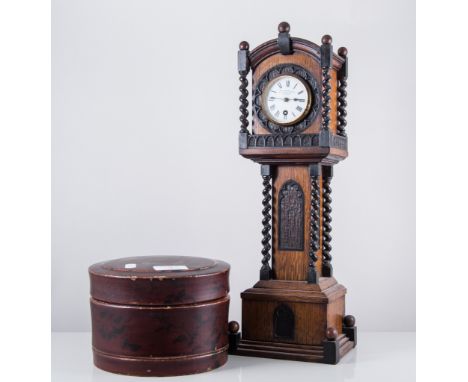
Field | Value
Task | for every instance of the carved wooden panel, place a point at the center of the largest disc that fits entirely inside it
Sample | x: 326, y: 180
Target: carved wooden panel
x: 291, y: 217
x: 293, y: 264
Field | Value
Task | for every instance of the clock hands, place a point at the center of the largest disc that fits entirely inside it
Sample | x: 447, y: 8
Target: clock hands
x: 293, y: 101
x: 286, y: 99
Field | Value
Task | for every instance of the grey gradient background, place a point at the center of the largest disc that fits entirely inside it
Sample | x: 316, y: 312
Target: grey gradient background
x: 145, y: 157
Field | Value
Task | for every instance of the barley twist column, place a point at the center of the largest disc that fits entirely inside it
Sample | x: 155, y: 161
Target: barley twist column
x: 265, y: 271
x: 342, y: 94
x: 326, y: 56
x: 314, y: 234
x: 243, y: 68
x: 327, y: 269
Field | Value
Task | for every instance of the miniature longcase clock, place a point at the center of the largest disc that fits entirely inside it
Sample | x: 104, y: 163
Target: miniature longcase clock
x: 297, y: 309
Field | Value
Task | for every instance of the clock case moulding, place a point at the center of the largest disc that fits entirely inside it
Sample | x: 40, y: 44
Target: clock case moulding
x: 296, y: 310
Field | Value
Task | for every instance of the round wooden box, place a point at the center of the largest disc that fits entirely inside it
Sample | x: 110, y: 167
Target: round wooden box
x: 159, y: 315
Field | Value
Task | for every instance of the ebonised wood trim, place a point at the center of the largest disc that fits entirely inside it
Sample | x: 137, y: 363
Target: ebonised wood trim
x: 265, y: 271
x: 270, y: 48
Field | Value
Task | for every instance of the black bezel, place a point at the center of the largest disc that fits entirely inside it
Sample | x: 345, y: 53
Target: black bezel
x: 287, y: 69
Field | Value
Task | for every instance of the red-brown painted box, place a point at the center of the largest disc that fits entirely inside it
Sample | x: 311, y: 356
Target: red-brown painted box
x: 159, y: 315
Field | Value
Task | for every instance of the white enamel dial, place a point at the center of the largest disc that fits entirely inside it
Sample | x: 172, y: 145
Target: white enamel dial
x: 286, y: 100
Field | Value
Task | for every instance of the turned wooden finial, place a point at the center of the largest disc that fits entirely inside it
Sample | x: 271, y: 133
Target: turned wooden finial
x: 244, y: 45
x: 332, y: 334
x: 327, y: 39
x: 349, y: 321
x: 284, y: 39
x: 233, y: 327
x: 343, y: 52
x: 284, y: 27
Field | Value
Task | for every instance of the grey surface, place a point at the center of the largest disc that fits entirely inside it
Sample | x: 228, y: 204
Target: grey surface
x: 378, y: 357
x: 135, y: 175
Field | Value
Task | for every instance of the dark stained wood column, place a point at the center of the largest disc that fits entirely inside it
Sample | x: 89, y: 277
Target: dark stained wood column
x: 327, y: 174
x: 314, y: 246
x: 244, y: 69
x: 265, y: 271
x: 326, y: 57
x: 342, y: 81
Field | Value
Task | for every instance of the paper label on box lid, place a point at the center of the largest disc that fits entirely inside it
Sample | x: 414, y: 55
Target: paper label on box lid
x: 170, y: 267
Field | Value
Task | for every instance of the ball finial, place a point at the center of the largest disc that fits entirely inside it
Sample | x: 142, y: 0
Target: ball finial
x: 244, y: 45
x: 327, y: 39
x: 284, y: 27
x: 332, y: 334
x: 343, y: 52
x: 349, y: 321
x: 234, y: 327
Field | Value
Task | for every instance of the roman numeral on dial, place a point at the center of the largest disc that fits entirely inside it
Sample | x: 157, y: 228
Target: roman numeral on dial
x: 298, y: 108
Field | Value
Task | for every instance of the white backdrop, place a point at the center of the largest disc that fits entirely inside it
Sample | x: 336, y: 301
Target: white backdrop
x: 145, y: 134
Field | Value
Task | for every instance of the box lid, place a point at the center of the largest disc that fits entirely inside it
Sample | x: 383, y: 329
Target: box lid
x: 159, y: 280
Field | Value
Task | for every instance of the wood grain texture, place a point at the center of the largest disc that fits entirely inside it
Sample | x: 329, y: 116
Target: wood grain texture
x: 324, y: 283
x: 314, y: 297
x: 293, y: 265
x: 335, y: 314
x: 270, y: 48
x: 294, y: 155
x: 333, y: 101
x: 294, y: 352
x: 309, y: 63
x: 314, y: 311
x: 258, y: 323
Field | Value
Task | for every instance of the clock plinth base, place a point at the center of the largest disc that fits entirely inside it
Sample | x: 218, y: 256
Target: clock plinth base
x: 330, y: 352
x: 294, y: 320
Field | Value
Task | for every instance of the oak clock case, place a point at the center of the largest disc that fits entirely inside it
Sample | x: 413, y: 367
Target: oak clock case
x: 296, y: 310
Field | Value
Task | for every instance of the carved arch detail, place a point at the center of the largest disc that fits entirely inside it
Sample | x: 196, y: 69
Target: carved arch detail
x: 291, y: 217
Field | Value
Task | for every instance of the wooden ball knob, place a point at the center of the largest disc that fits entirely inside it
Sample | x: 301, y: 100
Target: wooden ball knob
x: 244, y: 45
x: 327, y: 39
x: 332, y: 334
x: 234, y: 327
x: 284, y: 27
x: 343, y: 52
x: 349, y: 321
